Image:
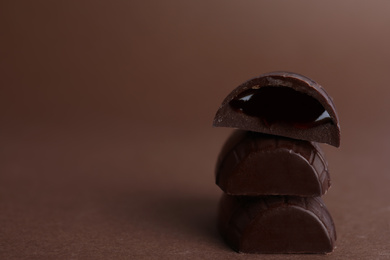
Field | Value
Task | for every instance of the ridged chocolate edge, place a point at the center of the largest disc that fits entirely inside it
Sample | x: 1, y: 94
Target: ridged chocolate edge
x: 236, y: 149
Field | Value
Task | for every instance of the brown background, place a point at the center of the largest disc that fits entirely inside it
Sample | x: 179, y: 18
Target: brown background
x: 107, y: 149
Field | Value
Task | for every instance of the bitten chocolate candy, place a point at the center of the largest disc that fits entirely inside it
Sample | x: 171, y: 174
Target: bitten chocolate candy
x: 256, y: 164
x: 284, y: 104
x: 276, y: 224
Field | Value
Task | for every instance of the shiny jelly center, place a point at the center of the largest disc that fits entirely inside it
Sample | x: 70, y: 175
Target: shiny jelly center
x: 281, y: 105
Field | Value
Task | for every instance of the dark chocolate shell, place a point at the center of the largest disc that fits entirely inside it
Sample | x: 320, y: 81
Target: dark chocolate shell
x: 276, y: 224
x: 284, y: 104
x: 255, y: 164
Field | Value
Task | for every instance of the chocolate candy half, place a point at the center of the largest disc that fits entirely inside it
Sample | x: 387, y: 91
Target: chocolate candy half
x: 284, y: 104
x: 276, y: 224
x: 256, y: 164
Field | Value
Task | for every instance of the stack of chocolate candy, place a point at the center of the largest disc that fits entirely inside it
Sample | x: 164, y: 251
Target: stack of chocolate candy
x: 272, y: 171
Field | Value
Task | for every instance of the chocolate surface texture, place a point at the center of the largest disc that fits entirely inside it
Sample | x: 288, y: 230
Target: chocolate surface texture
x: 283, y: 104
x: 276, y: 224
x: 258, y: 164
x: 272, y: 171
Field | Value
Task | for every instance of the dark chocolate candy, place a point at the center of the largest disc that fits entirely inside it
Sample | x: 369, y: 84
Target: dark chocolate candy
x: 276, y: 224
x: 284, y: 104
x: 256, y: 164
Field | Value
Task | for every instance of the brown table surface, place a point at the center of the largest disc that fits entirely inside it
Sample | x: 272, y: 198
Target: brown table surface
x: 107, y: 149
